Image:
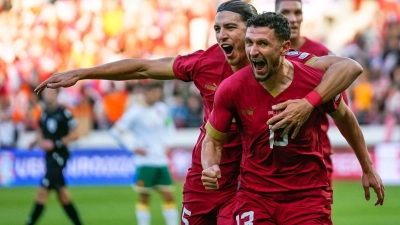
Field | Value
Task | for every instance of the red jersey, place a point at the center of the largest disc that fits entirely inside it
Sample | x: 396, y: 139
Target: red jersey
x: 271, y: 163
x: 315, y: 48
x: 320, y: 50
x: 207, y: 69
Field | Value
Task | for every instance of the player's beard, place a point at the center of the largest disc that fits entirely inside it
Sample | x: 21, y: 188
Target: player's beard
x: 274, y: 67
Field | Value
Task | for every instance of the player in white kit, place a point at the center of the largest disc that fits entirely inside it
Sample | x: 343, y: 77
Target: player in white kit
x: 152, y: 126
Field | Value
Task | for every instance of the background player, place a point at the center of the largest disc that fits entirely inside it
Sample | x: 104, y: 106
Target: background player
x: 57, y: 128
x: 282, y: 180
x: 152, y: 126
x: 292, y: 10
x: 207, y: 69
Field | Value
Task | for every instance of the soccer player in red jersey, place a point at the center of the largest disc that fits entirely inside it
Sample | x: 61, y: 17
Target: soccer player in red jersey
x: 207, y: 69
x: 282, y: 180
x: 292, y: 10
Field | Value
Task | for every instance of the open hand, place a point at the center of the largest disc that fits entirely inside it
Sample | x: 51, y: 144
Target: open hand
x: 210, y: 176
x: 58, y: 80
x: 374, y: 181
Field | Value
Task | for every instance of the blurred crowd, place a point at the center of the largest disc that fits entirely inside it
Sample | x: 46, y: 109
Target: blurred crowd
x: 41, y: 37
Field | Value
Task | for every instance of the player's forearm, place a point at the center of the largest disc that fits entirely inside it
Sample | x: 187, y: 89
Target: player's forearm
x: 351, y: 131
x: 211, y: 152
x: 338, y: 77
x: 129, y: 69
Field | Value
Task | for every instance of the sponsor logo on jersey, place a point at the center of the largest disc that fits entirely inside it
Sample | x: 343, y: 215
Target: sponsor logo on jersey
x: 274, y: 112
x: 303, y: 55
x: 211, y: 87
x: 51, y: 125
x: 248, y: 111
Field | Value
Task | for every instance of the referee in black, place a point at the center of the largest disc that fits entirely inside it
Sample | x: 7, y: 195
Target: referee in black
x: 57, y: 129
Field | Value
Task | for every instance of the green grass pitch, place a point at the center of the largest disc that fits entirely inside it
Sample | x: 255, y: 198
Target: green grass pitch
x: 115, y: 206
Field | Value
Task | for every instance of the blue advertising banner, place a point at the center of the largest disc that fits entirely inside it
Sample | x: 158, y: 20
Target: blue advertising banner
x: 91, y: 167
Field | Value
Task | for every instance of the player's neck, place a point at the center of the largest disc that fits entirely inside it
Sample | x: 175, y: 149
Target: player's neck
x: 281, y: 79
x: 296, y: 43
x: 51, y: 107
x: 245, y: 62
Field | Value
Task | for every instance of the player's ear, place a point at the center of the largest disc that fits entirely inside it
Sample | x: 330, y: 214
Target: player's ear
x: 285, y: 47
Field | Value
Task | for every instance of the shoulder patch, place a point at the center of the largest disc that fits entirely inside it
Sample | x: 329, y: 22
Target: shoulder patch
x: 337, y: 97
x: 292, y: 53
x: 303, y: 55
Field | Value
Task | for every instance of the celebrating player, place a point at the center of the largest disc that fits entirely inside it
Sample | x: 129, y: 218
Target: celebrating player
x: 282, y: 180
x: 207, y: 69
x: 292, y: 10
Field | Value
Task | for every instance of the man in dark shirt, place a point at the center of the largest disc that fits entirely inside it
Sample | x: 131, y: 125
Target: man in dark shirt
x: 57, y: 129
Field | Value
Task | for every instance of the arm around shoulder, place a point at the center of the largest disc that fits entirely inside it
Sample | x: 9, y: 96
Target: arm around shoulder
x: 340, y: 73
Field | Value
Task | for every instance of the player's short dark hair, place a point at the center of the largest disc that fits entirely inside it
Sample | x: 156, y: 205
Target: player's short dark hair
x: 277, y: 2
x: 274, y: 21
x: 244, y: 9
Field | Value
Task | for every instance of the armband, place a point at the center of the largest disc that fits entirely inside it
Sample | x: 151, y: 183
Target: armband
x: 314, y: 98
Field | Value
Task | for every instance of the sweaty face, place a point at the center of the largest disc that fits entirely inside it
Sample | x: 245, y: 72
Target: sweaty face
x: 264, y: 51
x: 230, y: 31
x: 293, y: 12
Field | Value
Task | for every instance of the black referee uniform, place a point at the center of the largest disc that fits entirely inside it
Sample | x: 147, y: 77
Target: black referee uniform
x: 55, y: 125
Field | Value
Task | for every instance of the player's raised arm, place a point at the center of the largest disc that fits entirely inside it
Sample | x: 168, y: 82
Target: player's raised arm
x: 211, y: 154
x: 351, y: 131
x: 126, y: 69
x: 340, y: 74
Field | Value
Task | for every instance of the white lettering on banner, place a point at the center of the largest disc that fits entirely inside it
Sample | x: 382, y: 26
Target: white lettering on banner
x: 346, y: 165
x: 29, y: 167
x: 100, y: 166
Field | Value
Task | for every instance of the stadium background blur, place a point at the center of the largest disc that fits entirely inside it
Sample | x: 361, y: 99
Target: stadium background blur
x: 40, y: 37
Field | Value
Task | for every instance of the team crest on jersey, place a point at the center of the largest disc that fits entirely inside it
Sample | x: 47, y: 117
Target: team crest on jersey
x: 290, y: 53
x: 51, y: 125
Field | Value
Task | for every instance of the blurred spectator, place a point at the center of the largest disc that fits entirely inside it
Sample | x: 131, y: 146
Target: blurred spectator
x: 8, y: 130
x: 362, y: 97
x: 195, y: 109
x: 114, y: 102
x: 393, y: 103
x: 179, y: 111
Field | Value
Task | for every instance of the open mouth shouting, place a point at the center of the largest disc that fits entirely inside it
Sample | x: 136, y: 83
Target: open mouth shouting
x: 228, y: 49
x: 259, y: 66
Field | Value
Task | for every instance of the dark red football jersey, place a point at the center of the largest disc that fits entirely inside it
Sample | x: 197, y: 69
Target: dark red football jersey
x: 207, y: 69
x: 272, y: 163
x: 314, y: 48
x: 318, y: 49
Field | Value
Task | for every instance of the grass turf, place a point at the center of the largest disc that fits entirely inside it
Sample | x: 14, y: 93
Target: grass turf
x: 115, y: 206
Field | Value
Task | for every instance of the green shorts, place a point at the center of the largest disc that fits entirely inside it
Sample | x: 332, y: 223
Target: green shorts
x: 149, y: 177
